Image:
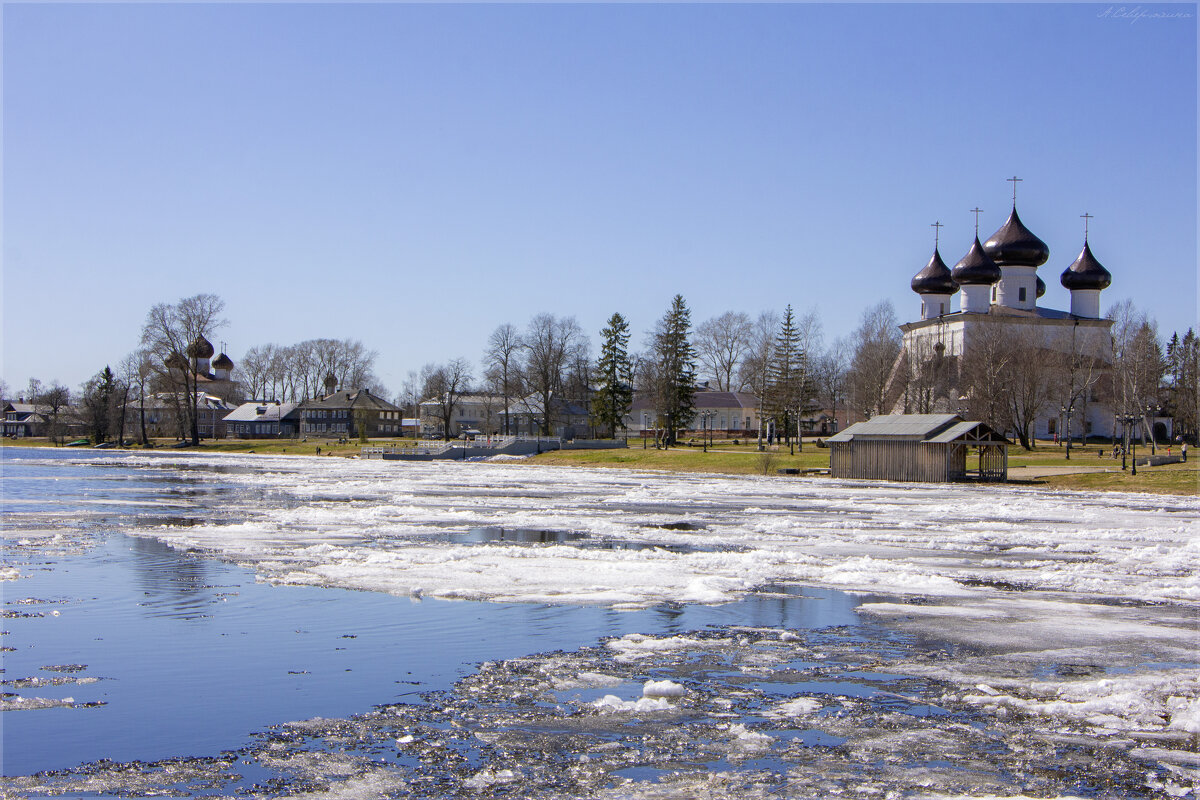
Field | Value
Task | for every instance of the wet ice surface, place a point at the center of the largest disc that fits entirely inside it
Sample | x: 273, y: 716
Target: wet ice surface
x: 1016, y: 642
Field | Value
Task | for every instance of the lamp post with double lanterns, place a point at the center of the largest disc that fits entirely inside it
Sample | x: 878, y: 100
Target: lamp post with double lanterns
x: 1126, y: 421
x: 1067, y: 410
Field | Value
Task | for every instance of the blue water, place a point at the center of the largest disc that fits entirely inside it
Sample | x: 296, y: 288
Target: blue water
x: 192, y: 656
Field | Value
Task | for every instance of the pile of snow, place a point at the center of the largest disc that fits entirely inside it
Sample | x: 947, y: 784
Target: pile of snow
x: 611, y: 703
x: 664, y: 688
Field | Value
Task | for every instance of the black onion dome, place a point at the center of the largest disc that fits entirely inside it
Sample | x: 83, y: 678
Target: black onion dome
x: 1086, y: 272
x: 1041, y: 287
x: 976, y: 267
x: 176, y: 361
x: 222, y: 362
x: 201, y: 348
x: 935, y: 278
x: 1015, y: 246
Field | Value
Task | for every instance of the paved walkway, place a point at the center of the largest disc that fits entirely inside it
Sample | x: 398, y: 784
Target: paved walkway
x: 1026, y: 473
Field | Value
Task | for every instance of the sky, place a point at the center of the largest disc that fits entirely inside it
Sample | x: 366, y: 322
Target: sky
x: 414, y: 175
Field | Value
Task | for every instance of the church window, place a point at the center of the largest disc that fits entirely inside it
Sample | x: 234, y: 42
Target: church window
x: 941, y: 308
x: 1051, y: 426
x: 993, y: 294
x: 1021, y: 294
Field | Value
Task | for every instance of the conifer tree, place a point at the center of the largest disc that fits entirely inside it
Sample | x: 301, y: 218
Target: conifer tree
x: 786, y: 375
x: 674, y: 392
x: 614, y: 391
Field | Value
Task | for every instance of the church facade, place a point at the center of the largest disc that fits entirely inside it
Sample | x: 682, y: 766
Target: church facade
x: 984, y: 312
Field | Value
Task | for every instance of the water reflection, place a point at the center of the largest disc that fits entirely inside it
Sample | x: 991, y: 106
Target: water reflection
x: 174, y: 584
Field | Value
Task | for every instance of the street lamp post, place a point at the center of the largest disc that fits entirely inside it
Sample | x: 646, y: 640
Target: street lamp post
x: 1130, y: 443
x: 704, y: 430
x: 1067, y: 411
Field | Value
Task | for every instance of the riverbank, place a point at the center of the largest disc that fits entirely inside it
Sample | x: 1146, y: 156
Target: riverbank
x: 1087, y: 469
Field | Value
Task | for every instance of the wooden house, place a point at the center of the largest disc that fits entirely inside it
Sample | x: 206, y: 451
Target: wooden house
x: 919, y: 447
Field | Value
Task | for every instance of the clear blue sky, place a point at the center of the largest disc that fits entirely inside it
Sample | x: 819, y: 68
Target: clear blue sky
x: 415, y: 175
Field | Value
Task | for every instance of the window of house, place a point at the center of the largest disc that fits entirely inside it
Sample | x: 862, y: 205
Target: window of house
x: 1052, y: 426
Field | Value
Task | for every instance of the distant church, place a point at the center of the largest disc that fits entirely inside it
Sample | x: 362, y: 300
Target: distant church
x: 998, y: 288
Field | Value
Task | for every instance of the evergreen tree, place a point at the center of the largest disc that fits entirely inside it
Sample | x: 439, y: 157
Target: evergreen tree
x: 675, y: 389
x: 788, y: 382
x: 98, y: 395
x: 614, y: 392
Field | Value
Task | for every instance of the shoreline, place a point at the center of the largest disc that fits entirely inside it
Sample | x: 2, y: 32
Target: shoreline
x: 1040, y: 468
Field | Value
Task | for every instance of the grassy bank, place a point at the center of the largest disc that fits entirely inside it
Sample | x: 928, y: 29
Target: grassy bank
x: 744, y: 459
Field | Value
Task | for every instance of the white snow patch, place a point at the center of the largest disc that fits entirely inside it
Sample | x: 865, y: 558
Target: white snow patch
x: 610, y: 703
x: 664, y: 688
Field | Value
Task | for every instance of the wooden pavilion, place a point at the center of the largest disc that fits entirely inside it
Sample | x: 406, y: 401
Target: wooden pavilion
x: 919, y: 447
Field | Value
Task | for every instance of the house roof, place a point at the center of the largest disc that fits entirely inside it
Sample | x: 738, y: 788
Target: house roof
x: 271, y: 412
x: 928, y: 428
x: 350, y: 398
x: 703, y: 400
x: 918, y: 427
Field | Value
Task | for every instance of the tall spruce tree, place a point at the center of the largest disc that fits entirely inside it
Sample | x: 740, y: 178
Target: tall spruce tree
x: 675, y: 389
x: 786, y: 378
x: 614, y: 390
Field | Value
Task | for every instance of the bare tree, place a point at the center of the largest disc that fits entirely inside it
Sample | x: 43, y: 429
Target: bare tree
x: 831, y: 375
x: 876, y: 344
x: 501, y: 360
x: 53, y: 402
x: 1138, y: 363
x: 444, y: 385
x: 983, y: 376
x: 1029, y: 380
x: 550, y: 344
x: 170, y: 333
x: 753, y: 374
x: 721, y: 342
x: 135, y: 372
x: 5, y: 391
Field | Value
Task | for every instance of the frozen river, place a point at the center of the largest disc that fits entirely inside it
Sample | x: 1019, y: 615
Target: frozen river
x: 260, y: 626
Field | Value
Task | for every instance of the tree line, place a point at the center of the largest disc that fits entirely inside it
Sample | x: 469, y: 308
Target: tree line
x: 1007, y: 379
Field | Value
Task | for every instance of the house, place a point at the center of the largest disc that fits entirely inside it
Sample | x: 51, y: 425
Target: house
x: 568, y: 418
x: 22, y: 420
x: 163, y: 415
x: 345, y: 412
x: 918, y: 447
x: 726, y: 414
x: 473, y: 414
x: 263, y: 420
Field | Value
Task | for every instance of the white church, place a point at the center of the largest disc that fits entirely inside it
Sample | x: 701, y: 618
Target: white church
x: 998, y: 288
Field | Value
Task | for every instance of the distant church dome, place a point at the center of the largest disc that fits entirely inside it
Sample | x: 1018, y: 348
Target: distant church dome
x: 1015, y: 246
x: 201, y: 348
x: 976, y: 267
x: 222, y: 362
x: 1086, y: 272
x: 1041, y: 287
x: 935, y: 278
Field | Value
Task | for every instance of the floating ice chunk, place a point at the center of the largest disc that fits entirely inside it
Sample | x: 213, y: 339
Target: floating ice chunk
x: 638, y: 645
x: 489, y: 777
x: 407, y: 738
x: 611, y: 703
x: 586, y: 680
x: 747, y: 741
x: 1185, y: 714
x: 663, y: 689
x: 9, y: 573
x: 796, y: 708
